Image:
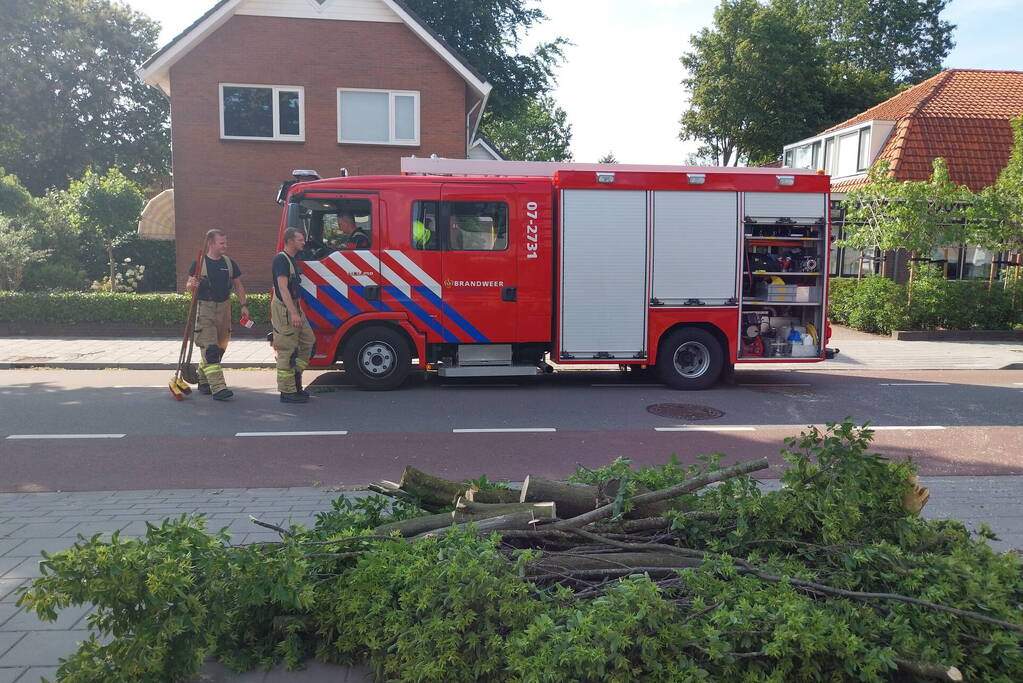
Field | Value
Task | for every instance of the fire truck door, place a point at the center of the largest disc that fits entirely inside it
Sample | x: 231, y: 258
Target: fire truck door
x: 479, y: 262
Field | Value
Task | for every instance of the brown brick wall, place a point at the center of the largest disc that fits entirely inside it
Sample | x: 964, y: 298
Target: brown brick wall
x: 231, y: 184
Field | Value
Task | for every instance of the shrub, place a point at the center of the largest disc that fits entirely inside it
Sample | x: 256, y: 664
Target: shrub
x: 104, y: 307
x: 878, y: 305
x: 962, y: 304
x: 840, y: 299
x: 55, y: 276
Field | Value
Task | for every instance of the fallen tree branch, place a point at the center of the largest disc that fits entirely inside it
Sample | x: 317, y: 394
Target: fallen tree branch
x: 670, y: 492
x: 936, y: 672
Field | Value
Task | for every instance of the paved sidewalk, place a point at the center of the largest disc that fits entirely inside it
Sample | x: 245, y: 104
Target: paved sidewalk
x: 859, y: 351
x: 32, y: 522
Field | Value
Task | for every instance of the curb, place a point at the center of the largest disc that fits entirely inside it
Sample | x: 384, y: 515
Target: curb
x: 71, y: 365
x: 958, y: 335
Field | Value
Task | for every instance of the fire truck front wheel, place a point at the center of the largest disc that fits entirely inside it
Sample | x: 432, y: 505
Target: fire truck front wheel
x: 377, y: 358
x: 690, y: 358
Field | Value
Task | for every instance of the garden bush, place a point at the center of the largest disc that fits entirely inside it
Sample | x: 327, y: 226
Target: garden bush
x: 464, y: 607
x: 961, y: 304
x: 877, y: 305
x: 840, y: 299
x: 104, y: 307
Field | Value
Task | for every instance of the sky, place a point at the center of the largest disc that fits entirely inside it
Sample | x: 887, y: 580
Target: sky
x: 620, y: 82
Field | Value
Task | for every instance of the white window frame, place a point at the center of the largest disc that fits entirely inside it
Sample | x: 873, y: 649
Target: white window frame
x: 276, y: 89
x: 391, y: 122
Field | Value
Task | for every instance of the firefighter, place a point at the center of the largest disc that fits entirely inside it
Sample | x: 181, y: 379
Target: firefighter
x: 218, y: 274
x: 422, y: 233
x: 292, y: 338
x: 351, y: 236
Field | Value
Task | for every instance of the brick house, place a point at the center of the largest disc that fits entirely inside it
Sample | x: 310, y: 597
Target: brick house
x: 960, y: 115
x: 261, y: 87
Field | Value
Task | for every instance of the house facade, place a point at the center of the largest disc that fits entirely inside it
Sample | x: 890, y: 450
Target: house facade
x: 960, y: 115
x: 259, y: 88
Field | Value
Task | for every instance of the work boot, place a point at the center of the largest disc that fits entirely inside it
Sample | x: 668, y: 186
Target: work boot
x: 298, y: 384
x: 205, y: 389
x: 223, y: 395
x: 294, y: 397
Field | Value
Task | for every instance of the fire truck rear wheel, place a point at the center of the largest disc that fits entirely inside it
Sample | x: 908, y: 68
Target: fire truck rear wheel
x: 377, y: 358
x: 690, y: 358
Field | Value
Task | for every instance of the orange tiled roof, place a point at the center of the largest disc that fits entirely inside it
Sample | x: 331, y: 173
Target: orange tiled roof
x: 961, y: 115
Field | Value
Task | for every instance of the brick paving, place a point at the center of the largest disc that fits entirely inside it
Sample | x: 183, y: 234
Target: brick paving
x: 32, y: 522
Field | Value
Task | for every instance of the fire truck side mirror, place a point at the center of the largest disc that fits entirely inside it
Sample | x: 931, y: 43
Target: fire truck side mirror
x: 295, y: 216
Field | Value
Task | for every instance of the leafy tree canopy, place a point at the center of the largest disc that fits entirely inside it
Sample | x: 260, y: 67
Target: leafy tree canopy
x: 539, y: 133
x: 488, y: 33
x: 72, y: 97
x: 769, y: 73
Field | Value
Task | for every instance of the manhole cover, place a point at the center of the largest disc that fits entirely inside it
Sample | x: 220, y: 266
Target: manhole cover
x: 684, y: 411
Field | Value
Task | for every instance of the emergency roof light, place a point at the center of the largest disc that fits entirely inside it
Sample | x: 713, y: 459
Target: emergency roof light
x: 696, y: 178
x: 786, y: 180
x: 605, y: 177
x: 305, y: 174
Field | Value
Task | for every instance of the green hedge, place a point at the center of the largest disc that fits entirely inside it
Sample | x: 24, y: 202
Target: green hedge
x: 84, y: 307
x: 876, y: 304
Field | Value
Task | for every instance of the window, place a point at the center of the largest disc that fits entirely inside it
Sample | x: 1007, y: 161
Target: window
x: 848, y: 148
x: 829, y: 156
x: 261, y: 112
x: 335, y: 225
x: 788, y: 158
x: 460, y: 226
x: 378, y: 117
x: 863, y: 157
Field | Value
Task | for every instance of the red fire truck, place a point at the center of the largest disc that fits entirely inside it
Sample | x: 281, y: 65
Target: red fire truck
x: 469, y: 268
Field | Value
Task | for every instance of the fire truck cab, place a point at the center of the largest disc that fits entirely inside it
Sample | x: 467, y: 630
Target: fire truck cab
x: 464, y: 271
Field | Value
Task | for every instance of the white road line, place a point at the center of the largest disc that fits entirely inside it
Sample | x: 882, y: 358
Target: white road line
x: 139, y: 386
x: 895, y: 428
x: 504, y: 429
x: 481, y: 386
x: 66, y: 436
x: 914, y: 384
x: 1017, y: 384
x: 660, y: 386
x: 774, y: 385
x: 706, y: 428
x: 335, y: 433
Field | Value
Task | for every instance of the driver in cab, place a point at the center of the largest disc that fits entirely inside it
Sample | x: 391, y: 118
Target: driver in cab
x: 351, y: 236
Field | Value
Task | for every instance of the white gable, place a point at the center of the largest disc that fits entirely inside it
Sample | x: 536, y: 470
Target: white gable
x: 341, y: 10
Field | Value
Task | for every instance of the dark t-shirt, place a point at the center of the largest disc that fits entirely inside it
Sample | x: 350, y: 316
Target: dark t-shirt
x: 216, y: 286
x: 280, y: 267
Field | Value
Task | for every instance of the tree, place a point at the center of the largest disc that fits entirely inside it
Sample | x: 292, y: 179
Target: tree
x: 608, y: 158
x: 105, y: 208
x: 754, y: 82
x: 72, y: 98
x: 839, y: 56
x: 488, y: 34
x: 996, y: 217
x: 539, y: 133
x: 16, y: 254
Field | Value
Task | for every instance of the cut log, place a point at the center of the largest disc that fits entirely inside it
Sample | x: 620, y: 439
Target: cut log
x: 478, y: 512
x: 431, y: 491
x: 514, y: 521
x: 478, y: 495
x: 937, y: 672
x: 468, y: 508
x: 572, y: 499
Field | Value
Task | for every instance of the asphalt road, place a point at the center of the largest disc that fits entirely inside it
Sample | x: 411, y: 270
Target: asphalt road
x: 112, y: 430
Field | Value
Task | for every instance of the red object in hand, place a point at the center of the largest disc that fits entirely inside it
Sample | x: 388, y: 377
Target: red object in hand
x: 244, y: 321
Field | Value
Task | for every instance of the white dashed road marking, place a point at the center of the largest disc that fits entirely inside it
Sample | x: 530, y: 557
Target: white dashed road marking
x: 66, y: 436
x: 914, y: 384
x: 504, y: 429
x: 705, y: 428
x: 334, y: 433
x: 895, y: 427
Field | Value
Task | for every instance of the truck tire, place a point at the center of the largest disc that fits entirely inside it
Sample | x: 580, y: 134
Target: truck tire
x: 690, y: 358
x: 377, y: 358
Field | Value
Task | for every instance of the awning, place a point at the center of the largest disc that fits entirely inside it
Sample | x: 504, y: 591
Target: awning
x: 157, y: 220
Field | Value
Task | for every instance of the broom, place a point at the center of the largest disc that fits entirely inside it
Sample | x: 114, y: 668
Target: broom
x: 178, y: 386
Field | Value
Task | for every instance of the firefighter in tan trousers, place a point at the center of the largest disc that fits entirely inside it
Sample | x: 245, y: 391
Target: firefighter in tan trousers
x: 217, y: 275
x: 293, y: 338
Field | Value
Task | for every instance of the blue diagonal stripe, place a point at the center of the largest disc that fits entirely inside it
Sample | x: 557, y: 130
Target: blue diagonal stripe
x: 322, y: 310
x: 417, y: 310
x: 453, y: 315
x: 340, y: 300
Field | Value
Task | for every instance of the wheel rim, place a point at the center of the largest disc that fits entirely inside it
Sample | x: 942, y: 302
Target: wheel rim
x: 377, y: 359
x: 691, y: 359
